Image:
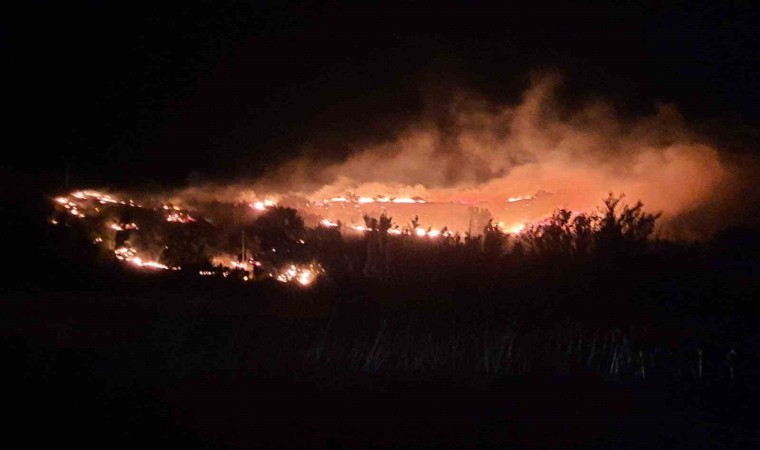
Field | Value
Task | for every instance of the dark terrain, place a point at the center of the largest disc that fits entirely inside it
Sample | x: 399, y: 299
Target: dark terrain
x: 663, y: 356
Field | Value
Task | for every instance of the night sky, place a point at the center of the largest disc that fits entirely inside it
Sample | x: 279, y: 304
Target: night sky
x: 129, y: 94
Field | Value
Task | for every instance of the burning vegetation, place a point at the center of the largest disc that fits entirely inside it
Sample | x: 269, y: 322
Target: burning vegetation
x: 263, y: 240
x: 469, y: 179
x: 168, y: 237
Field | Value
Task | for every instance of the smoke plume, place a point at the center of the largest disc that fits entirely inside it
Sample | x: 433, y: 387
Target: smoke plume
x: 474, y: 151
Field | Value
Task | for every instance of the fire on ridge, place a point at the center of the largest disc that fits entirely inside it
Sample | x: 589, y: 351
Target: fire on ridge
x: 347, y: 212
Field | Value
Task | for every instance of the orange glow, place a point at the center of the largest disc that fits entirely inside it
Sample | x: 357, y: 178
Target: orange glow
x: 129, y: 255
x: 516, y: 228
x: 240, y: 265
x: 179, y: 217
x: 304, y: 274
x: 407, y: 200
x: 262, y: 205
x: 519, y: 198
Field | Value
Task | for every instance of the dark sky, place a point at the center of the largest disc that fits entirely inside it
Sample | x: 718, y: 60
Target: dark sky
x: 134, y: 94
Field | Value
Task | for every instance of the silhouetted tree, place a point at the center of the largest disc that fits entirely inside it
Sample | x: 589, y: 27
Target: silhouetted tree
x: 551, y: 237
x: 610, y: 231
x: 494, y: 241
x: 370, y: 222
x: 584, y: 226
x: 415, y: 222
x: 376, y: 264
x: 626, y: 230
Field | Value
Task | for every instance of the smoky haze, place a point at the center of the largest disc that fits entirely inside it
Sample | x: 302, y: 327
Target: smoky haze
x: 474, y: 151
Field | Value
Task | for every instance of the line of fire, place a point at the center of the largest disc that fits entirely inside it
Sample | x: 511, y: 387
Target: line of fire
x: 288, y: 239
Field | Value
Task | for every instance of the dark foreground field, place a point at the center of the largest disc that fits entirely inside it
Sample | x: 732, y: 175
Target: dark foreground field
x: 214, y: 365
x: 568, y: 357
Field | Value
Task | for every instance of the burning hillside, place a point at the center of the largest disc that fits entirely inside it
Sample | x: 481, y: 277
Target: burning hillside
x: 464, y: 168
x: 150, y: 233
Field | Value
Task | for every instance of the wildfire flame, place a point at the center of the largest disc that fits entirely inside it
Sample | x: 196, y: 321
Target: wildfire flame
x: 126, y: 226
x: 519, y: 198
x: 179, y: 217
x: 304, y: 274
x: 516, y: 229
x: 129, y: 255
x: 263, y: 204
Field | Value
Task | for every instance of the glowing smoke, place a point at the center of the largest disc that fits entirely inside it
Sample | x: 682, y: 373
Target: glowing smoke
x: 476, y: 151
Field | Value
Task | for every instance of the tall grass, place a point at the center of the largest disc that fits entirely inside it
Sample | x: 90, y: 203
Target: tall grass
x: 403, y: 349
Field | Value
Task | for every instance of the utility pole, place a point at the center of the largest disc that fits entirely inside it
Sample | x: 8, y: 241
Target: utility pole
x: 242, y: 247
x: 469, y: 227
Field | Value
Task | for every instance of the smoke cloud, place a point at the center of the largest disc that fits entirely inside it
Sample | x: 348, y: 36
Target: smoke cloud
x: 473, y: 151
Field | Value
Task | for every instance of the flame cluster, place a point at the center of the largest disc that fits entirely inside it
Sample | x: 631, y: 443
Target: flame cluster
x: 124, y: 226
x: 350, y: 198
x: 92, y: 203
x: 262, y: 205
x: 302, y: 274
x: 78, y: 205
x: 129, y: 255
x: 179, y: 217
